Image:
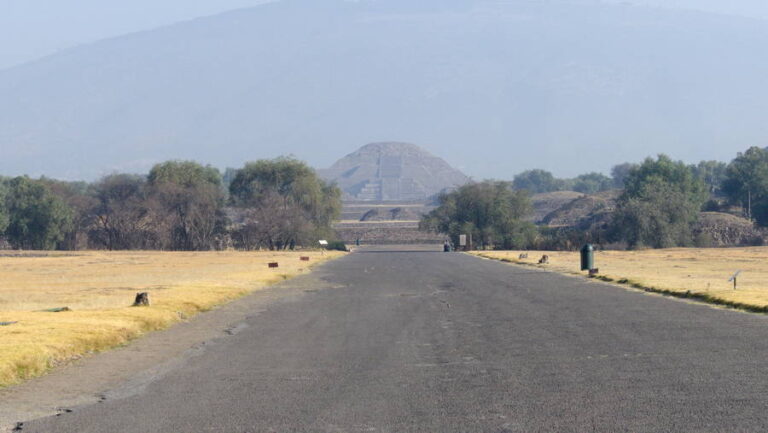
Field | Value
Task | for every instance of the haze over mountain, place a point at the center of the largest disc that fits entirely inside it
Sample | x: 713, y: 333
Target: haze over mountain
x: 493, y: 87
x: 30, y: 29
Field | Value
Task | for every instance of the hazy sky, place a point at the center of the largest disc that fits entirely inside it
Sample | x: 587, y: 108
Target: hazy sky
x: 750, y: 8
x: 30, y: 29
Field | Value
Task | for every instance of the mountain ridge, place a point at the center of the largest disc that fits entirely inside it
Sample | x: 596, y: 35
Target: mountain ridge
x: 531, y: 85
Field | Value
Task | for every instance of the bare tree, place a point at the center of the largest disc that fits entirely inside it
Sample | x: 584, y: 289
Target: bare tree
x: 276, y: 224
x: 123, y: 217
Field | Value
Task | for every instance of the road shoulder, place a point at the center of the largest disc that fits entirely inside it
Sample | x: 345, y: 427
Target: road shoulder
x: 127, y: 370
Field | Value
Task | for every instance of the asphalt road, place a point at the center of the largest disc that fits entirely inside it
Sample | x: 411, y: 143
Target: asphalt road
x: 433, y: 342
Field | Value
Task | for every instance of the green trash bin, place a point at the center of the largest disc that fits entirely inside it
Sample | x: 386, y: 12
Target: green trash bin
x: 587, y: 257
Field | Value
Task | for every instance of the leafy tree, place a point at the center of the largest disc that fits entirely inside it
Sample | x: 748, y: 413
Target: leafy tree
x: 537, y: 181
x: 665, y: 170
x: 3, y: 209
x: 185, y: 173
x: 76, y: 195
x: 619, y: 173
x: 660, y: 204
x: 746, y: 182
x: 37, y: 219
x: 190, y: 198
x: 491, y: 212
x: 592, y: 183
x: 289, y: 190
x: 660, y: 217
x: 541, y: 181
x: 712, y: 173
x: 285, y: 176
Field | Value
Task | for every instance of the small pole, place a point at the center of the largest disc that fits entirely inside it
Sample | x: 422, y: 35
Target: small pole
x: 734, y: 278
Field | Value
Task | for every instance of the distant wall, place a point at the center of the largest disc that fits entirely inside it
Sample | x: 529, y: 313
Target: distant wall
x: 404, y: 229
x: 383, y: 235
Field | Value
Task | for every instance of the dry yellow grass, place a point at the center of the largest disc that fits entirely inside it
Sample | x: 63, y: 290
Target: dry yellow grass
x: 99, y: 288
x: 702, y: 272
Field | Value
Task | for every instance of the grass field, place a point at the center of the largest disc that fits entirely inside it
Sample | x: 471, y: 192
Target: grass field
x: 99, y: 288
x: 697, y: 273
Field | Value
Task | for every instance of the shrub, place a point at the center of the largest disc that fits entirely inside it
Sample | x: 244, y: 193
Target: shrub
x: 336, y: 246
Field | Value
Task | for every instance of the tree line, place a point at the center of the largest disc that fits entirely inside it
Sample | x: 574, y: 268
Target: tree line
x: 658, y: 206
x: 179, y: 205
x: 538, y: 181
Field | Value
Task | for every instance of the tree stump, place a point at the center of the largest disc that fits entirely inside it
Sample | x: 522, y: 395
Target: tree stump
x: 274, y: 265
x: 305, y: 259
x: 142, y: 300
x: 544, y: 260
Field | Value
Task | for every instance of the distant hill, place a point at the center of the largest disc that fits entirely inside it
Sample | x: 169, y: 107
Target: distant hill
x: 593, y: 214
x: 547, y: 202
x: 569, y: 86
x: 584, y: 211
x: 725, y: 230
x: 392, y: 172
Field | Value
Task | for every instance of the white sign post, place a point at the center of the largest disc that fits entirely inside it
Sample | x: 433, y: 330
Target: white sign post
x: 462, y: 240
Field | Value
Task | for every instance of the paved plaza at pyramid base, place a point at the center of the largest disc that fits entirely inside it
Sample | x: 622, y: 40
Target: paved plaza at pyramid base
x: 384, y: 223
